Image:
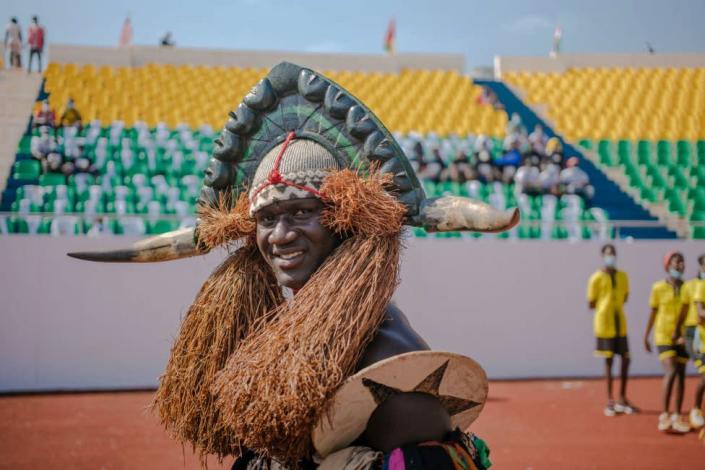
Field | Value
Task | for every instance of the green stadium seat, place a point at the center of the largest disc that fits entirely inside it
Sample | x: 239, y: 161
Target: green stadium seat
x: 52, y: 179
x: 26, y: 170
x: 663, y: 152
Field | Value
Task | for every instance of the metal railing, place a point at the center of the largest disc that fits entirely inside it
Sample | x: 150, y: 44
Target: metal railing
x: 41, y: 221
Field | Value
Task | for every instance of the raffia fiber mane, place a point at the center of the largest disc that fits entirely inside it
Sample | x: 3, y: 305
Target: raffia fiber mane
x: 239, y: 292
x: 278, y: 381
x: 249, y: 370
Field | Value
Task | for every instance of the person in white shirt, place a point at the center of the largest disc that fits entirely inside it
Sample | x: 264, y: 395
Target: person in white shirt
x: 13, y: 42
x: 575, y: 180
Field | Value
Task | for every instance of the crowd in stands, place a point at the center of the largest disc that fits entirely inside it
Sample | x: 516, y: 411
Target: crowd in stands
x: 141, y: 181
x: 14, y: 43
x: 109, y: 180
x: 532, y: 162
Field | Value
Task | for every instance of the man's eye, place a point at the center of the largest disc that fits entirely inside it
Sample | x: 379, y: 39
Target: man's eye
x: 302, y: 212
x: 267, y: 219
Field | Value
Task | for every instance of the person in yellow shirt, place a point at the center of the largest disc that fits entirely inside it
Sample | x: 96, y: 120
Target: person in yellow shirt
x: 666, y: 301
x: 699, y: 298
x: 690, y: 319
x: 71, y: 116
x: 607, y: 292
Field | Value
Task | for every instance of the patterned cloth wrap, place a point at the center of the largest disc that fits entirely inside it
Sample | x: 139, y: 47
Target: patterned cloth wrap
x: 459, y: 451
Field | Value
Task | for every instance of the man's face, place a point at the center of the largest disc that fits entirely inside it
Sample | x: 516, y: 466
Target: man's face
x: 677, y: 263
x: 292, y: 239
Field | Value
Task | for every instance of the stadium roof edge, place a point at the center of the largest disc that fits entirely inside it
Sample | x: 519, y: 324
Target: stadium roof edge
x: 504, y: 64
x: 138, y: 55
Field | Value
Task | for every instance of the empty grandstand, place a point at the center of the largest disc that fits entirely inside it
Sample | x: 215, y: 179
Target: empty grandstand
x: 645, y: 126
x: 135, y: 165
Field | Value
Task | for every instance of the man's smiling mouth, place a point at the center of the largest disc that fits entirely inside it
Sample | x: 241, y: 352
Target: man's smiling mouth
x: 289, y: 256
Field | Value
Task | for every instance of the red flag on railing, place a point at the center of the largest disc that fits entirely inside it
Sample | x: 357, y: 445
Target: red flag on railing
x: 390, y: 37
x: 126, y: 33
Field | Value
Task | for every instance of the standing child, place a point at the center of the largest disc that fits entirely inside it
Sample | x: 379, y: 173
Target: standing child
x: 691, y: 316
x: 607, y: 292
x: 699, y: 298
x: 665, y: 302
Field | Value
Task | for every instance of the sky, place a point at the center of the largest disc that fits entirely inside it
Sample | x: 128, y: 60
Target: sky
x: 478, y: 29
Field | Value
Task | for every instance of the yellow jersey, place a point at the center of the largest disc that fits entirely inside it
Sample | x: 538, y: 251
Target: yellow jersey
x: 689, y: 288
x: 667, y: 300
x: 699, y: 296
x: 609, y: 296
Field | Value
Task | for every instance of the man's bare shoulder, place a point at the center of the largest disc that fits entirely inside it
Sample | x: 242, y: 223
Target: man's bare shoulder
x: 395, y: 336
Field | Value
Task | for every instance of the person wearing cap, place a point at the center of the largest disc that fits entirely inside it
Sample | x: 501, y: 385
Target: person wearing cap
x: 666, y: 300
x: 694, y: 344
x: 553, y: 152
x: 607, y: 292
x: 311, y: 192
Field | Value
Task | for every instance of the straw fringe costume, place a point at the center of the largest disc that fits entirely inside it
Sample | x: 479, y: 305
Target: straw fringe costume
x: 274, y: 382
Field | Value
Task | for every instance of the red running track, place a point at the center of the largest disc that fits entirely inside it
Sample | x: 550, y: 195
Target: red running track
x: 528, y: 425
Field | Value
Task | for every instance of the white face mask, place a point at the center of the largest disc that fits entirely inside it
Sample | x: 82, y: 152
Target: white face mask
x: 701, y: 274
x: 609, y: 261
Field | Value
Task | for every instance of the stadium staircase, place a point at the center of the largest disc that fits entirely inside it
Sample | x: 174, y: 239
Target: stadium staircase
x: 18, y: 92
x: 608, y: 194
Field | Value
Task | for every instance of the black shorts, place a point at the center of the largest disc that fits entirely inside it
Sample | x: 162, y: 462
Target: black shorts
x: 674, y: 350
x: 608, y: 347
x: 689, y: 336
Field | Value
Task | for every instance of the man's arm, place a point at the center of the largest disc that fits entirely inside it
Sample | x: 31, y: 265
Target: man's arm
x: 592, y: 292
x: 649, y: 326
x: 679, y: 322
x: 406, y: 418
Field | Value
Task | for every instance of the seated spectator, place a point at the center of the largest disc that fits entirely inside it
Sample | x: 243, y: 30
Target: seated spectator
x: 83, y: 165
x: 510, y: 161
x: 44, y: 117
x: 554, y: 152
x: 550, y: 178
x: 575, y: 181
x: 434, y: 170
x: 71, y: 116
x: 538, y: 139
x: 460, y: 170
x: 515, y: 126
x: 527, y: 179
x: 484, y: 166
x: 42, y: 145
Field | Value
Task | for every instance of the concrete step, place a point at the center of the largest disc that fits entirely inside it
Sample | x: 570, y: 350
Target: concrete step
x: 18, y: 91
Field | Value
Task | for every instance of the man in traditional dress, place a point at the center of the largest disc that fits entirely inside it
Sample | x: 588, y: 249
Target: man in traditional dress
x: 313, y: 191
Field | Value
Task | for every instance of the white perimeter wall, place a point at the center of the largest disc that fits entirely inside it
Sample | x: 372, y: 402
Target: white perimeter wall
x: 516, y: 307
x: 504, y: 64
x: 141, y: 55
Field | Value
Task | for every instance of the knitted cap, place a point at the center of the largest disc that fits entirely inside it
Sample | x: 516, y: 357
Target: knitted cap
x: 294, y: 169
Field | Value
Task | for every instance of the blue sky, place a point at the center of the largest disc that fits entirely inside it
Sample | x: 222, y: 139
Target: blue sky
x: 477, y: 29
